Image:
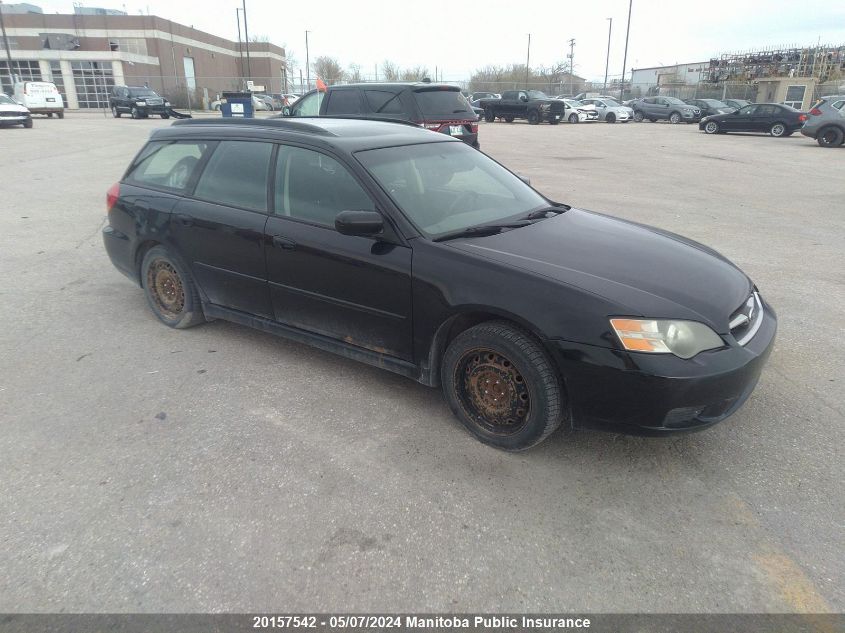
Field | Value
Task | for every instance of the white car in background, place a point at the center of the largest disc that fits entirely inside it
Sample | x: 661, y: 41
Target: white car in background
x: 610, y: 110
x: 40, y: 97
x: 581, y: 112
x: 13, y: 113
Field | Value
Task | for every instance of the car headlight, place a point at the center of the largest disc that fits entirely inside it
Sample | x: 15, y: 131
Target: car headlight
x: 167, y: 103
x: 140, y: 103
x: 684, y: 339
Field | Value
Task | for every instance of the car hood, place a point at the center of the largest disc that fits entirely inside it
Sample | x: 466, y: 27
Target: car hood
x: 13, y: 107
x: 645, y: 271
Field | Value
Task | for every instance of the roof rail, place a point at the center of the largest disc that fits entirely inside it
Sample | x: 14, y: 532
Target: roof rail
x: 284, y: 124
x: 353, y: 117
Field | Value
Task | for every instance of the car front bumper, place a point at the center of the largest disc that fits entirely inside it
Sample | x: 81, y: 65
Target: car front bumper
x: 13, y: 119
x: 660, y: 394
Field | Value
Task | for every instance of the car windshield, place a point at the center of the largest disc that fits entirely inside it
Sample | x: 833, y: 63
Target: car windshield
x: 537, y: 94
x: 5, y: 99
x: 674, y: 100
x: 445, y: 187
x: 740, y: 102
x: 573, y: 102
x: 142, y: 92
x: 715, y: 103
x: 442, y: 103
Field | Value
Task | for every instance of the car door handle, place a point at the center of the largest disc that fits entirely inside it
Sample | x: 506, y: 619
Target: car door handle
x: 283, y: 242
x: 184, y: 219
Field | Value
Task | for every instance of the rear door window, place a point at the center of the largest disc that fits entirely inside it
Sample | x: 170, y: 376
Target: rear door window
x: 236, y: 175
x: 344, y: 101
x: 442, y: 104
x: 168, y: 165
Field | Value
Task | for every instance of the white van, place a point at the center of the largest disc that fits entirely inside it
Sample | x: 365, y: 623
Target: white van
x: 41, y: 97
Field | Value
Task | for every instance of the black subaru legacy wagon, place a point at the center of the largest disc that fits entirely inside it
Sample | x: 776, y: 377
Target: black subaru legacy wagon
x: 409, y: 250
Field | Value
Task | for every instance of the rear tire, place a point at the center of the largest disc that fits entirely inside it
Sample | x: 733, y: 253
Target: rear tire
x: 508, y: 119
x: 170, y: 291
x: 830, y: 137
x: 49, y: 115
x: 777, y: 130
x: 533, y: 117
x: 675, y: 118
x: 115, y: 112
x: 501, y: 384
x: 61, y: 114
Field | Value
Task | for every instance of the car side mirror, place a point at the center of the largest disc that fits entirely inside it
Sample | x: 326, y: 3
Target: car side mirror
x: 359, y: 223
x: 523, y: 98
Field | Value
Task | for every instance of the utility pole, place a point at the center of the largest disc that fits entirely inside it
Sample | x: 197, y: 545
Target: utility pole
x: 572, y: 66
x: 528, y: 61
x: 625, y: 58
x: 246, y: 38
x: 240, y: 44
x: 8, y: 50
x: 607, y: 63
x: 307, y: 62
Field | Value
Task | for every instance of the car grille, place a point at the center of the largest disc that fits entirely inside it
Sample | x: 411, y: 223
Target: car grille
x: 746, y: 320
x: 12, y: 114
x: 155, y: 101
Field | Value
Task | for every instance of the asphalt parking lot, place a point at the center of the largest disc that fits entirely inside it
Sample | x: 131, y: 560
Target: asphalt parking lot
x: 222, y: 469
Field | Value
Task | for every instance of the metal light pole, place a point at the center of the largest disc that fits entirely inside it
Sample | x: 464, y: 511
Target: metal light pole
x: 528, y: 61
x: 307, y: 62
x: 625, y: 58
x: 246, y: 39
x: 607, y: 63
x: 572, y: 66
x: 8, y: 50
x: 240, y: 45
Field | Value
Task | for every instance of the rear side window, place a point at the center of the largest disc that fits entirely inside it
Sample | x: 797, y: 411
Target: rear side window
x: 237, y: 175
x: 442, y: 103
x: 384, y: 102
x: 838, y: 105
x: 344, y: 101
x: 167, y: 165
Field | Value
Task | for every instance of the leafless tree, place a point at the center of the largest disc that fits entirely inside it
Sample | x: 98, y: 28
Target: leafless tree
x: 353, y: 74
x: 416, y: 73
x: 328, y: 69
x: 389, y: 70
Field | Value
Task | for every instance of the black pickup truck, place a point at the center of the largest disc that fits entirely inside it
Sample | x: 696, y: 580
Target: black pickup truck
x: 524, y: 104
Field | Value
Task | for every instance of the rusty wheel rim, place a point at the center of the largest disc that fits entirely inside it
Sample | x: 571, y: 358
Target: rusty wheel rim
x: 166, y: 288
x: 492, y: 391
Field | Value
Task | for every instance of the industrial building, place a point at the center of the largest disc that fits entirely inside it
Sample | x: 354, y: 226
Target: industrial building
x: 793, y: 75
x: 87, y: 52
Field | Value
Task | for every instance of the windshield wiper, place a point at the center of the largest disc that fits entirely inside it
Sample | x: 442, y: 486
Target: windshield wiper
x: 479, y: 231
x: 539, y: 214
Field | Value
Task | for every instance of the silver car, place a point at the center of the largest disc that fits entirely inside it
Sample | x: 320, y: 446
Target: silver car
x: 611, y: 111
x: 826, y: 121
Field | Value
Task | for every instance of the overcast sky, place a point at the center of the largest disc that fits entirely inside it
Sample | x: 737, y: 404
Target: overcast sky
x: 461, y: 35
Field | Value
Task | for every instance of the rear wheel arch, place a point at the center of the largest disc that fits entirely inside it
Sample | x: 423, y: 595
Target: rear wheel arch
x: 142, y: 250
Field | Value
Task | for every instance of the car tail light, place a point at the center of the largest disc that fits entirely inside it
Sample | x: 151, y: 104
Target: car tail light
x: 816, y: 112
x: 473, y: 127
x: 111, y: 196
x: 802, y: 117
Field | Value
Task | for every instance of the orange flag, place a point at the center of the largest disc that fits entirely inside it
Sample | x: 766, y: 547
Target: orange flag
x: 321, y: 86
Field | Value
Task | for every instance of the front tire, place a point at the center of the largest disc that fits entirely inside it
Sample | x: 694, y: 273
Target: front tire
x: 501, y: 384
x: 777, y: 130
x: 165, y: 116
x: 170, y: 291
x: 115, y: 112
x: 711, y: 127
x: 27, y: 123
x: 508, y: 119
x: 830, y: 137
x: 61, y: 114
x: 675, y: 118
x: 573, y: 118
x: 134, y: 113
x: 610, y: 118
x: 638, y: 116
x: 533, y: 117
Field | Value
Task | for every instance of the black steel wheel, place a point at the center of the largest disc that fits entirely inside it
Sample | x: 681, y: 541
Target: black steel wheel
x: 830, y: 137
x: 501, y: 384
x: 170, y: 291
